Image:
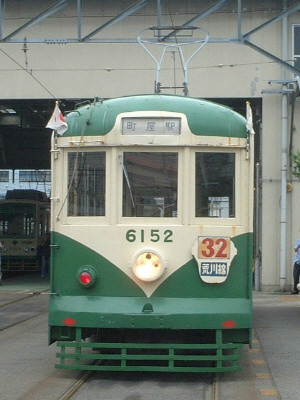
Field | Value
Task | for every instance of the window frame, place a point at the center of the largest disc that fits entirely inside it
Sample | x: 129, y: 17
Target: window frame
x: 186, y: 188
x: 228, y: 221
x: 33, y: 176
x: 4, y: 176
x: 150, y: 220
x: 82, y: 219
x: 294, y: 56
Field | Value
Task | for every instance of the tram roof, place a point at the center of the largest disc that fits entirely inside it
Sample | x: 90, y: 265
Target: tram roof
x: 204, y: 117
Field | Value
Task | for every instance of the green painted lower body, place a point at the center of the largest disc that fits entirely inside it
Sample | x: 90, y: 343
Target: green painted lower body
x: 173, y: 335
x: 186, y: 324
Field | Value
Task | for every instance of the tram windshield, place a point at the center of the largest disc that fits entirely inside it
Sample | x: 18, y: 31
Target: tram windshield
x: 150, y: 184
x: 17, y: 220
x: 86, y: 183
x: 215, y: 185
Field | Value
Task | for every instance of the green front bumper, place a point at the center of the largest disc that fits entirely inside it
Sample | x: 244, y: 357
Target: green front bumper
x: 189, y: 335
x: 155, y: 313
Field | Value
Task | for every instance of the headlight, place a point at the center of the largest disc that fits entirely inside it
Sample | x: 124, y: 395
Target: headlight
x: 148, y: 266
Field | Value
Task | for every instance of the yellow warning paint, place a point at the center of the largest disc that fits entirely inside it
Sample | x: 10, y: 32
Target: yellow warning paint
x: 262, y: 376
x: 289, y: 299
x: 259, y: 362
x: 269, y: 392
x: 254, y: 351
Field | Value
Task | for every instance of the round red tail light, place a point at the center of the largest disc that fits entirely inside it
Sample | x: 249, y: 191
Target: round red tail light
x: 87, y: 276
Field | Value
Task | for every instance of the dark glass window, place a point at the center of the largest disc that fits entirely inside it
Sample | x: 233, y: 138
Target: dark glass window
x: 86, y: 180
x: 296, y: 49
x: 4, y: 176
x: 150, y: 184
x: 17, y: 220
x: 34, y: 176
x: 215, y: 185
x: 297, y: 40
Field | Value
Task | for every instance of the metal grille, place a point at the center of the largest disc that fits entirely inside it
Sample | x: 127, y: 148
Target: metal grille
x: 214, y: 357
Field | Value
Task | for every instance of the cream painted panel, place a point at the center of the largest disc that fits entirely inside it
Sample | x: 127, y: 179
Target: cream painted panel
x: 109, y: 238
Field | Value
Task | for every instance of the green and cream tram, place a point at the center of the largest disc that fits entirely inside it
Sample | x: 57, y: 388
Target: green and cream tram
x: 152, y: 236
x: 24, y: 223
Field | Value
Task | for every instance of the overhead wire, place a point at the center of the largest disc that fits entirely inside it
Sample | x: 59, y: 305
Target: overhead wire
x: 268, y: 8
x: 231, y: 65
x: 28, y: 72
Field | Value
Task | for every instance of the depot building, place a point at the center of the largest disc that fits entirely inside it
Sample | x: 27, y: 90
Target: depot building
x: 226, y: 51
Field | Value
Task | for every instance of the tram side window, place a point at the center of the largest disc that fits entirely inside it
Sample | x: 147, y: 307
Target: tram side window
x: 150, y: 184
x: 44, y: 225
x: 28, y: 225
x: 3, y: 224
x: 215, y: 185
x: 86, y: 183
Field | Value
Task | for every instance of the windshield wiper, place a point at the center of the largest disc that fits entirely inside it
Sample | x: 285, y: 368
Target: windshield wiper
x: 127, y: 180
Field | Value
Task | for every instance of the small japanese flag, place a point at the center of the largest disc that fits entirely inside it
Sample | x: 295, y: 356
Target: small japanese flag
x: 57, y: 121
x: 249, y: 119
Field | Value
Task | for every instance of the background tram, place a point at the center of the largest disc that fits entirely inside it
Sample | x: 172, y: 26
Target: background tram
x: 152, y: 236
x: 24, y: 222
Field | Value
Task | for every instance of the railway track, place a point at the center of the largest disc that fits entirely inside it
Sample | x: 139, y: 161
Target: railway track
x: 24, y: 352
x: 19, y: 308
x: 92, y: 385
x: 31, y: 308
x: 215, y: 388
x: 69, y: 394
x: 19, y: 299
x: 28, y: 355
x: 173, y: 387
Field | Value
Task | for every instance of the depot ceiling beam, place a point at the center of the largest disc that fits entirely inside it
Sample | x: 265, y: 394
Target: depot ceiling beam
x: 200, y: 16
x: 284, y: 64
x: 277, y: 18
x: 245, y: 38
x: 41, y: 17
x: 79, y: 13
x: 239, y: 18
x: 129, y: 11
x: 2, y: 8
x: 159, y: 18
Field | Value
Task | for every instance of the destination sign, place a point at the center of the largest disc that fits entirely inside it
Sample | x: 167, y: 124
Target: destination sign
x: 151, y: 126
